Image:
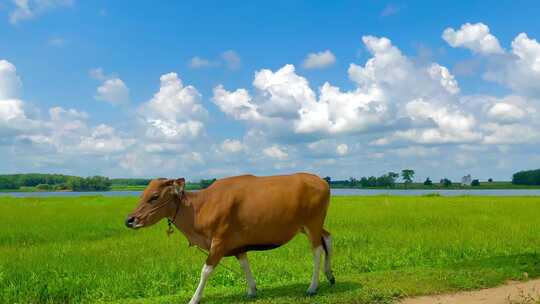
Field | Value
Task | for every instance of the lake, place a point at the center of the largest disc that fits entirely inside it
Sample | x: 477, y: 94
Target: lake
x: 335, y: 192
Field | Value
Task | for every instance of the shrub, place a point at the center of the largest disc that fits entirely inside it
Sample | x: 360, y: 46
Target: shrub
x: 475, y: 182
x: 43, y: 187
x: 61, y: 187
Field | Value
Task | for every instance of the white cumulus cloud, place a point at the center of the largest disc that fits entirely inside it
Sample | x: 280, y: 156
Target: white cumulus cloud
x: 232, y: 146
x: 506, y: 112
x: 518, y: 69
x: 175, y: 111
x: 113, y: 91
x: 284, y: 103
x: 10, y: 83
x: 276, y: 152
x: 475, y: 37
x: 13, y: 118
x: 28, y: 9
x: 319, y: 60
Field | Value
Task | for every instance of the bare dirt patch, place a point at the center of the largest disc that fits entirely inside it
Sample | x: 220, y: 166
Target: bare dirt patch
x: 511, y: 293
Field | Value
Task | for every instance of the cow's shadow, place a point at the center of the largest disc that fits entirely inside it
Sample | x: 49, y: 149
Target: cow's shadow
x: 292, y: 291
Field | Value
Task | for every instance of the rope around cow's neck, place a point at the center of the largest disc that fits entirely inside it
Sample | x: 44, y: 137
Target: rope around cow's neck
x: 170, y: 229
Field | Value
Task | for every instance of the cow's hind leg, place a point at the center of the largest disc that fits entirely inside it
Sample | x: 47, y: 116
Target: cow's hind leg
x: 327, y: 246
x: 315, y: 238
x: 252, y: 288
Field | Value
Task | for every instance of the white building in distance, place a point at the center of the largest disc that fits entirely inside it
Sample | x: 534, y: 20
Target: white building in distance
x: 466, y: 180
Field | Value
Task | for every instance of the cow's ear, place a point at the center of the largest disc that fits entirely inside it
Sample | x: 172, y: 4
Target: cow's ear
x: 179, y: 185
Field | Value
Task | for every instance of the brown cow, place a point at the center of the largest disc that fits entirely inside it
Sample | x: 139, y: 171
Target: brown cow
x: 238, y: 214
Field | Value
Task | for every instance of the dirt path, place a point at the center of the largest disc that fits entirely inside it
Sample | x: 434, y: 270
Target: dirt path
x: 511, y: 293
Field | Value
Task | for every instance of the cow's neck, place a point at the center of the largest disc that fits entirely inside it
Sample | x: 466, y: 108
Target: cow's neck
x: 186, y: 219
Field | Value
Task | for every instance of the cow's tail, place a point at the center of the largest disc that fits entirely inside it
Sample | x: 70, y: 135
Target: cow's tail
x: 327, y: 246
x: 324, y: 246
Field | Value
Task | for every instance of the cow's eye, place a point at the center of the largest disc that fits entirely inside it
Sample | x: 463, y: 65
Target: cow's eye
x: 153, y: 198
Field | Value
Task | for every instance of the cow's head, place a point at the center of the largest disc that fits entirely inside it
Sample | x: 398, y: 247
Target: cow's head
x: 157, y: 201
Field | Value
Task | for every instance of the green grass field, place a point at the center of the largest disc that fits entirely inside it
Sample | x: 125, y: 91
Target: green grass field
x: 76, y: 250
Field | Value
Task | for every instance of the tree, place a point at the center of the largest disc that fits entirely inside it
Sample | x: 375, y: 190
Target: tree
x: 530, y: 177
x: 328, y: 179
x: 8, y: 183
x: 130, y: 181
x: 205, y: 183
x: 364, y: 182
x: 353, y: 182
x: 490, y: 180
x: 428, y: 182
x: 97, y: 183
x: 393, y: 175
x: 372, y: 181
x: 446, y: 182
x: 475, y: 183
x: 407, y: 175
x: 385, y: 180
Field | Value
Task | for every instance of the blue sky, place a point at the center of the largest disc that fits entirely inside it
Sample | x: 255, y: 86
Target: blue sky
x: 446, y: 88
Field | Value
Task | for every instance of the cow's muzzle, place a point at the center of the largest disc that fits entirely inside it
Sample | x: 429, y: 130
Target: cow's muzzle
x: 130, y: 222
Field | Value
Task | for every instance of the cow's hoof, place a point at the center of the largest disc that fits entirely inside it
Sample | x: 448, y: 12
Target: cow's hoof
x: 311, y: 293
x: 251, y: 294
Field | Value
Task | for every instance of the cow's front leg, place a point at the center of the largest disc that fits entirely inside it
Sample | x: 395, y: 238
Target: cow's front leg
x: 252, y: 288
x: 205, y: 274
x: 215, y: 255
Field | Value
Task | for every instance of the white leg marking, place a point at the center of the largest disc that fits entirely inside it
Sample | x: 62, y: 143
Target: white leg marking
x: 205, y: 273
x: 316, y: 267
x: 327, y: 260
x: 252, y: 289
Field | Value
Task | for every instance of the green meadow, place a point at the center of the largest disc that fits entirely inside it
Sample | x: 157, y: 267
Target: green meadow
x: 77, y: 250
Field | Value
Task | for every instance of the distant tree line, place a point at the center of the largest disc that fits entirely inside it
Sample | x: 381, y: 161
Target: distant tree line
x: 15, y: 181
x: 386, y: 180
x: 54, y: 182
x: 389, y: 180
x: 99, y: 183
x: 529, y: 177
x: 130, y: 181
x: 94, y: 183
